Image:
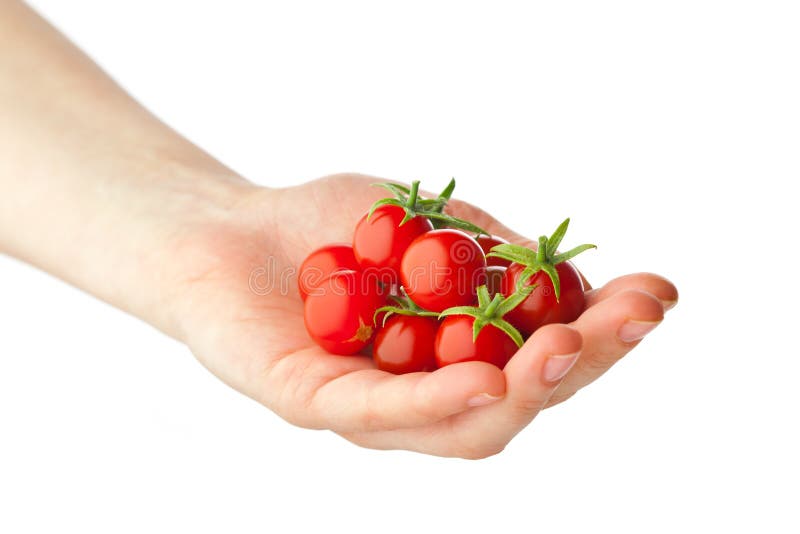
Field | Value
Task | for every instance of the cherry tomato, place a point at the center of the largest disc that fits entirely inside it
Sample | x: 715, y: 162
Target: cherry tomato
x: 379, y: 242
x: 541, y: 307
x: 323, y: 262
x: 454, y: 343
x: 441, y: 269
x: 487, y: 242
x: 338, y: 313
x: 405, y: 344
x: 494, y: 279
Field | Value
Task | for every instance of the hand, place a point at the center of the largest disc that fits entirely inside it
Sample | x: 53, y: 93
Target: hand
x: 143, y: 219
x: 252, y: 336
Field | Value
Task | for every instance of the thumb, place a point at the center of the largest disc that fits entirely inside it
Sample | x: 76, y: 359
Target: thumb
x: 532, y: 376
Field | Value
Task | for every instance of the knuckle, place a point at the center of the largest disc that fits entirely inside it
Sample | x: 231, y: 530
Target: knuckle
x: 558, y: 399
x: 598, y: 363
x: 523, y: 410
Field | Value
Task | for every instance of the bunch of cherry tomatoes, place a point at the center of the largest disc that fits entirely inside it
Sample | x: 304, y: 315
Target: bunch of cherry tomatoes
x: 427, y: 289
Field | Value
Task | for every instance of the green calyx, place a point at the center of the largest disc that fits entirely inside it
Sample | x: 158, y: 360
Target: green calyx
x: 490, y: 311
x: 431, y: 208
x: 404, y: 306
x: 544, y: 259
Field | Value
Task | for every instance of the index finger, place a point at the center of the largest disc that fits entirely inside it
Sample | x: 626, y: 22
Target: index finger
x: 366, y: 400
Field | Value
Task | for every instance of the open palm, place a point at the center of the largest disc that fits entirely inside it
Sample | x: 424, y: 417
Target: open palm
x: 243, y: 319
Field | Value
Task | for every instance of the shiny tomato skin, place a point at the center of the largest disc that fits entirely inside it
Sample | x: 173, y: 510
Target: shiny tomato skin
x: 494, y: 279
x: 379, y: 242
x: 454, y: 343
x: 541, y: 307
x: 338, y: 314
x: 487, y: 242
x: 405, y: 344
x: 442, y: 269
x: 323, y: 262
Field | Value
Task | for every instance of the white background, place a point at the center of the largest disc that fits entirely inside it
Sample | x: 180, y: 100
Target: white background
x: 668, y: 131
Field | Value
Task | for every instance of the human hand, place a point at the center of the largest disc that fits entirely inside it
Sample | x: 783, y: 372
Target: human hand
x: 234, y: 292
x: 126, y: 209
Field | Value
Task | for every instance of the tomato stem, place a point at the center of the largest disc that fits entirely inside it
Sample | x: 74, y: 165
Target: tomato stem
x: 430, y: 208
x: 445, y: 195
x: 544, y: 259
x: 541, y: 252
x: 493, y: 305
x: 412, y: 195
x: 491, y: 312
x: 405, y: 306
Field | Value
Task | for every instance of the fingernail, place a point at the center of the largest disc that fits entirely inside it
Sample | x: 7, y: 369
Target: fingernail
x: 669, y: 304
x: 632, y: 330
x: 558, y: 365
x: 482, y: 400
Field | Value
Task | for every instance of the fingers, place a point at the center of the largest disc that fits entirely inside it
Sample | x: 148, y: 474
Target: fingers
x: 532, y: 375
x: 610, y: 329
x: 656, y: 285
x: 370, y: 400
x: 606, y: 331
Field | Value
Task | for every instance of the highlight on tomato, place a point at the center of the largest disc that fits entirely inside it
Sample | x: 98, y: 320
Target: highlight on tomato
x: 339, y: 313
x: 323, y: 262
x: 382, y: 236
x: 404, y: 344
x: 406, y: 333
x: 442, y: 268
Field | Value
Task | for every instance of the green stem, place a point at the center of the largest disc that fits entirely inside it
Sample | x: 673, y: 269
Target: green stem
x: 492, y: 307
x: 412, y: 195
x: 541, y: 253
x: 444, y: 196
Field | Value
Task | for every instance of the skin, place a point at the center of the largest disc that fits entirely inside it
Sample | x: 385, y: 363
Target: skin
x: 153, y: 225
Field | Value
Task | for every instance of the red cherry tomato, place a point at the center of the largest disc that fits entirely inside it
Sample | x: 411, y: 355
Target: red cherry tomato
x: 379, y: 242
x: 494, y: 279
x: 323, y: 262
x: 541, y: 307
x: 454, y: 343
x: 338, y: 313
x: 405, y: 344
x: 487, y: 242
x: 441, y: 269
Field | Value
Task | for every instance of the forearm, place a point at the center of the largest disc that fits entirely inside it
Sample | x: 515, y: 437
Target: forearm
x: 93, y: 188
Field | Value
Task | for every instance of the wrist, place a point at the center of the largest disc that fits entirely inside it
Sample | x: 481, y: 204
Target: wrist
x: 130, y: 231
x: 187, y: 219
